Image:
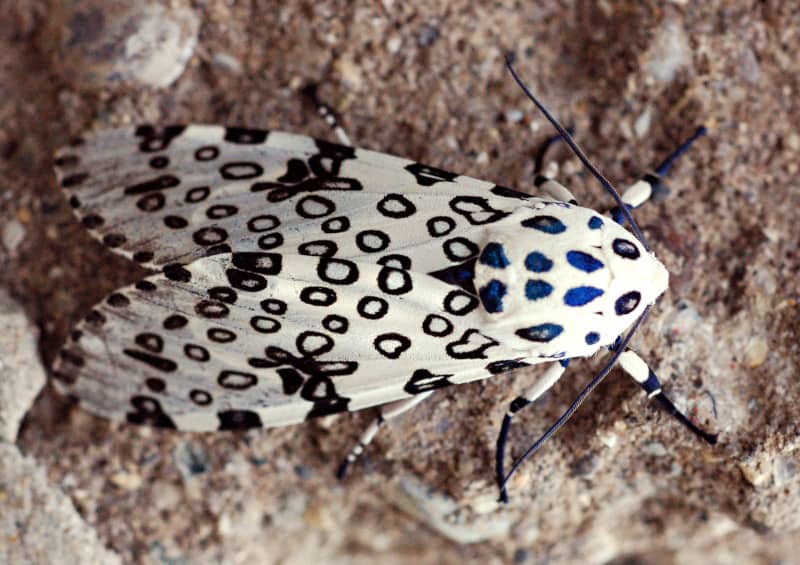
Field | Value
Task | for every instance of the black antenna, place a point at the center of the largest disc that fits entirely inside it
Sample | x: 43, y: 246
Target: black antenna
x: 582, y: 156
x: 593, y: 384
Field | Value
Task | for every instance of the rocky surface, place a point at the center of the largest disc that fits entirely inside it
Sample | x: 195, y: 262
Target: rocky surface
x: 110, y: 43
x: 38, y: 522
x: 622, y: 482
x: 21, y: 373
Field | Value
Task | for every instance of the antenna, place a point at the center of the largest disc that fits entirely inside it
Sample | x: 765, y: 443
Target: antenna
x: 593, y: 384
x: 581, y: 155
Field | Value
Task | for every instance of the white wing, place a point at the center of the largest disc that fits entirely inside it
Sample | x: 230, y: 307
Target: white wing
x: 175, y: 194
x: 263, y: 339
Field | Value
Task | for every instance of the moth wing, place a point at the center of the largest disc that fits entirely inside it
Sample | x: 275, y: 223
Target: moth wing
x: 178, y: 193
x: 262, y: 339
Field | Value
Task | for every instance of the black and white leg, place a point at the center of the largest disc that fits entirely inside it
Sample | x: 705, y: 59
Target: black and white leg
x: 548, y: 378
x: 387, y: 412
x: 646, y: 187
x: 543, y: 182
x: 635, y: 366
x: 327, y: 113
x: 554, y: 190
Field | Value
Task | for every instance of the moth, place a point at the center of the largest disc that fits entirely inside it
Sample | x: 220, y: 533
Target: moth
x: 295, y: 278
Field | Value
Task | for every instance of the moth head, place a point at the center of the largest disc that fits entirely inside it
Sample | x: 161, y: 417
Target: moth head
x: 570, y: 285
x: 638, y: 277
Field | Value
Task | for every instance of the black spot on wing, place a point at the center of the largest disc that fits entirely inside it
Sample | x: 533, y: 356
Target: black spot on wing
x: 471, y: 345
x: 147, y: 410
x: 476, y: 210
x: 423, y: 381
x: 157, y: 138
x: 428, y: 176
x: 238, y: 420
x: 245, y: 136
x: 509, y: 193
x: 497, y: 367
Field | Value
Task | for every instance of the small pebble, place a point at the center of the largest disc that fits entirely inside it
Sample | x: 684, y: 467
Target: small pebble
x: 107, y: 43
x: 318, y: 516
x: 642, y: 125
x: 514, y: 116
x: 755, y: 472
x: 655, y: 448
x: 191, y: 459
x: 751, y: 71
x: 584, y: 466
x: 303, y: 471
x: 21, y: 372
x: 756, y: 352
x: 394, y: 44
x: 521, y: 555
x: 783, y: 470
x: 668, y: 53
x: 349, y: 72
x: 126, y: 480
x: 227, y: 62
x: 428, y: 36
x: 13, y: 236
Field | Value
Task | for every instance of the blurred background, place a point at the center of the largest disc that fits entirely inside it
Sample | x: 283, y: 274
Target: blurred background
x: 622, y: 482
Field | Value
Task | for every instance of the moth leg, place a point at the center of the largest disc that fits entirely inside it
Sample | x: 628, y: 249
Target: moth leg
x: 327, y: 113
x: 543, y: 182
x: 548, y: 378
x: 635, y: 366
x: 554, y: 190
x: 387, y: 412
x: 650, y: 184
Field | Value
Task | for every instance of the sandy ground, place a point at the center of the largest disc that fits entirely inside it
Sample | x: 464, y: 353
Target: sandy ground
x: 622, y: 482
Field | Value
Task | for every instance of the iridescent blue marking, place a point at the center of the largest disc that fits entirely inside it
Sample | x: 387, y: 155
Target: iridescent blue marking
x: 581, y: 295
x: 546, y: 224
x: 583, y: 261
x: 592, y: 338
x: 538, y: 263
x: 494, y: 256
x: 492, y: 296
x: 564, y: 363
x: 541, y: 333
x: 595, y: 223
x: 537, y: 288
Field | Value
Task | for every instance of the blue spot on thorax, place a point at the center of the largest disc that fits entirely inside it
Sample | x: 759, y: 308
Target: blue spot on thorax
x: 541, y: 333
x: 536, y: 289
x: 583, y: 261
x: 492, y: 296
x: 494, y: 256
x: 538, y: 263
x: 546, y: 224
x: 595, y: 223
x: 581, y: 295
x: 592, y: 338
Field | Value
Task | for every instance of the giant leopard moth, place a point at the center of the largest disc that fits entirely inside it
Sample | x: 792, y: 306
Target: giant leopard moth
x: 297, y: 278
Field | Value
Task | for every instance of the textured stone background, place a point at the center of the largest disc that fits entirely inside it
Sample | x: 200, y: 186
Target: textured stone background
x: 622, y: 482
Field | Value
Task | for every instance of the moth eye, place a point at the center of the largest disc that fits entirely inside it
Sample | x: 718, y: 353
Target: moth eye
x: 627, y: 303
x: 625, y: 248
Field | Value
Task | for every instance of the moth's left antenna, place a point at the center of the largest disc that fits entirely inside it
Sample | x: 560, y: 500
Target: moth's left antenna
x: 581, y: 155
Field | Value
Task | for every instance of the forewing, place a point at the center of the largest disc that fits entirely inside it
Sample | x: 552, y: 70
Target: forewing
x: 262, y: 339
x: 174, y: 194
